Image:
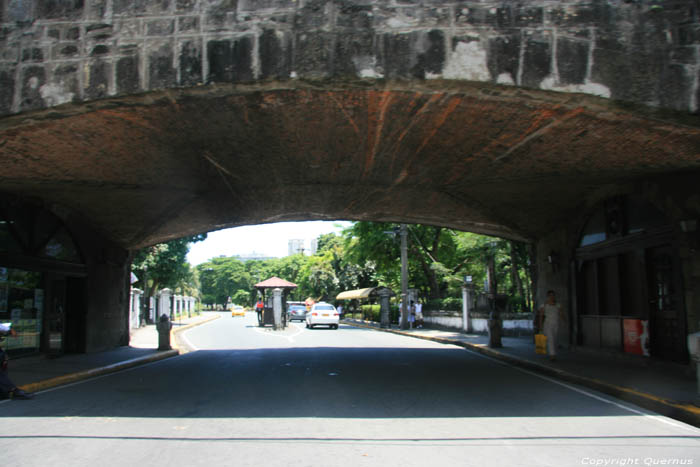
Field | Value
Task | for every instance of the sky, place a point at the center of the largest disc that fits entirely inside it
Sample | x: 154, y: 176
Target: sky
x: 266, y: 240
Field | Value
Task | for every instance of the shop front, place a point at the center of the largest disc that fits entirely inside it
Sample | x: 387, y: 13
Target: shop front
x: 42, y: 282
x: 628, y: 295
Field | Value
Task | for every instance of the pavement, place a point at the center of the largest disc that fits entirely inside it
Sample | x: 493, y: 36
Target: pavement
x: 39, y: 372
x: 667, y: 388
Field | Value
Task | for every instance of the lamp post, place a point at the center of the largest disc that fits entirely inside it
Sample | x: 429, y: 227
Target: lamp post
x: 403, y: 232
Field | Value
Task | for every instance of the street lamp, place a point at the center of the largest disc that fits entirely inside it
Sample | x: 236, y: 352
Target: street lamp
x: 403, y: 233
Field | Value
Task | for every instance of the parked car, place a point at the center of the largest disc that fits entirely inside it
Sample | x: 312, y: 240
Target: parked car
x: 324, y: 314
x: 297, y: 312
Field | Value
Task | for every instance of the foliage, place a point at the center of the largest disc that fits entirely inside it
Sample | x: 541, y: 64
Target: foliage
x: 165, y: 265
x: 367, y: 254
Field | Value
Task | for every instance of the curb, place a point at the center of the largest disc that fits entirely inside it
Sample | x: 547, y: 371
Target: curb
x: 81, y: 375
x: 686, y: 413
x: 113, y: 368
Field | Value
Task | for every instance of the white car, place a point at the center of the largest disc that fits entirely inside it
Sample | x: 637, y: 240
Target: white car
x: 323, y: 314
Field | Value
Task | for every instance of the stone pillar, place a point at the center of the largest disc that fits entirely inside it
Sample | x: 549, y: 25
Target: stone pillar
x: 467, y: 291
x: 384, y: 307
x: 164, y: 304
x: 164, y: 326
x: 135, y: 312
x: 277, y: 308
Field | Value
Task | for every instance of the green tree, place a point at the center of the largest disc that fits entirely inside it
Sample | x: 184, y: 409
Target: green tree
x: 221, y: 278
x: 165, y: 265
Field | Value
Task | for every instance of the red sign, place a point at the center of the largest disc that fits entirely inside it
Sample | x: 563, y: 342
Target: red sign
x: 636, y: 336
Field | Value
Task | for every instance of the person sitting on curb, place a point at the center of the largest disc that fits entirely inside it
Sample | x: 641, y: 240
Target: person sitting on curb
x: 8, y: 389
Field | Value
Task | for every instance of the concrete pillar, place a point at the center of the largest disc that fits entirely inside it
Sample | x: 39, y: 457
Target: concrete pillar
x: 164, y: 303
x: 384, y: 296
x: 277, y: 308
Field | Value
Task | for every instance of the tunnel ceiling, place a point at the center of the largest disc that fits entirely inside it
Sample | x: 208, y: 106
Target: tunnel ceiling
x: 478, y: 157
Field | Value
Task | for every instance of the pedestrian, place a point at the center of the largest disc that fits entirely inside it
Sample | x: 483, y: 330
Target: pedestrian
x: 411, y: 314
x: 8, y: 389
x: 419, y: 314
x: 340, y: 311
x: 549, y: 314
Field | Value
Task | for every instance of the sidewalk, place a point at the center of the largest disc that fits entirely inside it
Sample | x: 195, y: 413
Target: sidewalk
x: 37, y: 373
x: 663, y: 387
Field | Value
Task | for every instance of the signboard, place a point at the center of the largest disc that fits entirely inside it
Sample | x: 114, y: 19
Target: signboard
x: 636, y: 336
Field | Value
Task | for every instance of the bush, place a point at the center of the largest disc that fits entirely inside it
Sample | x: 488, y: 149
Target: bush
x: 452, y: 304
x: 517, y: 304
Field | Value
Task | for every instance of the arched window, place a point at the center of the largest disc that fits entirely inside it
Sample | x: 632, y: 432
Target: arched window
x: 29, y: 230
x: 621, y: 216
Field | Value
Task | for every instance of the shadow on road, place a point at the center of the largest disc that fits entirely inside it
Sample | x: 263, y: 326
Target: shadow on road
x: 327, y: 382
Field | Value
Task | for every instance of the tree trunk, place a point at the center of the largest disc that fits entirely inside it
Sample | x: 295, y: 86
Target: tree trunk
x: 515, y: 274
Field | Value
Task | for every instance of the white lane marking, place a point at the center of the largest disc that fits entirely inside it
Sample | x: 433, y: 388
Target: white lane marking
x: 184, y: 333
x: 289, y: 338
x: 659, y: 418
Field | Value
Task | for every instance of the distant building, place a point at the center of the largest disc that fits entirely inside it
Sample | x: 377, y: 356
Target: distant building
x: 296, y: 246
x: 254, y: 256
x: 314, y: 246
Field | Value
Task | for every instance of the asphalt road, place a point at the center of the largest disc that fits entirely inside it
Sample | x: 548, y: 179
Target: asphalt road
x: 347, y: 397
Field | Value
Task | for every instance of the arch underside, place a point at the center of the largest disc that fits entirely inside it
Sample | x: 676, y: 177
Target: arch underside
x: 491, y: 159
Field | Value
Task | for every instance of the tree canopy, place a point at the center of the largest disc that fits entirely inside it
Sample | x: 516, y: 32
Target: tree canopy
x: 367, y: 254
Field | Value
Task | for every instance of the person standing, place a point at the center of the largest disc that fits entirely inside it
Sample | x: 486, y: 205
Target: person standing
x: 419, y: 314
x: 549, y: 315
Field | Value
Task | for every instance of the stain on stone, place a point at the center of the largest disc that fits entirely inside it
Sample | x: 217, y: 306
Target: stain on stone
x: 572, y: 60
x: 396, y: 57
x: 312, y: 15
x: 160, y: 68
x: 7, y: 87
x: 529, y: 17
x: 504, y: 55
x: 54, y: 9
x: 353, y: 52
x: 312, y: 54
x: 160, y: 27
x: 182, y: 6
x: 33, y: 78
x: 188, y: 24
x: 69, y: 51
x: 130, y: 6
x: 351, y: 15
x: 190, y: 63
x: 73, y: 34
x: 32, y: 55
x: 128, y: 80
x: 432, y: 59
x: 52, y: 33
x: 537, y: 60
x: 98, y: 82
x: 99, y: 50
x: 275, y: 55
x: 476, y: 16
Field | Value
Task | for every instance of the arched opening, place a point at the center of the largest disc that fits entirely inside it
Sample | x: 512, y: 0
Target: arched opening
x: 629, y: 292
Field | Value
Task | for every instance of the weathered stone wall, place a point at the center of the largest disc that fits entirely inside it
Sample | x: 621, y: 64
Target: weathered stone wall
x: 53, y: 52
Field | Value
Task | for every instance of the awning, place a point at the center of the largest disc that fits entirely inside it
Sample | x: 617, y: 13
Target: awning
x: 361, y: 293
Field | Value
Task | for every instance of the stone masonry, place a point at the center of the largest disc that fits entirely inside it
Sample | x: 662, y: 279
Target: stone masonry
x: 61, y: 51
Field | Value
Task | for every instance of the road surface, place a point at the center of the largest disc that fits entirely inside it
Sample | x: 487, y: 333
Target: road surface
x: 349, y: 397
